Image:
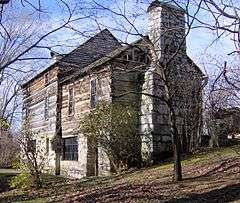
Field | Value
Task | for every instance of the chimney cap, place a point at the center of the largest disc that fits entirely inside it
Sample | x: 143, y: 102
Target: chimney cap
x: 159, y: 3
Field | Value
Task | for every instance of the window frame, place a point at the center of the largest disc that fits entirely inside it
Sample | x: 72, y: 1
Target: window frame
x: 32, y: 146
x: 71, y: 101
x: 46, y: 78
x: 47, y: 146
x: 46, y: 108
x: 95, y: 95
x: 70, y: 154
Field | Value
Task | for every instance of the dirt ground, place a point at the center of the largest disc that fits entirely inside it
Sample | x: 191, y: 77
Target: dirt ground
x: 210, y: 177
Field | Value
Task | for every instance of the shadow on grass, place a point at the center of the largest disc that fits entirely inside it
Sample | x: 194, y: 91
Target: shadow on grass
x: 225, y: 194
x: 223, y: 167
x: 151, y: 193
x: 109, y: 189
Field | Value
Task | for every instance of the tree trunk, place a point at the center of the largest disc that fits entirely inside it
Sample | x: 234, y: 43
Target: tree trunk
x: 57, y: 163
x: 177, y: 173
x: 58, y: 135
x: 37, y: 179
x: 92, y: 157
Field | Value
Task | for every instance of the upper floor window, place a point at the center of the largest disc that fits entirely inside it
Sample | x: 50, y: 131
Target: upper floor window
x: 47, y: 146
x: 46, y: 108
x: 28, y: 90
x: 31, y: 146
x: 70, y: 149
x: 137, y: 55
x: 46, y: 78
x: 71, y: 101
x: 93, y: 98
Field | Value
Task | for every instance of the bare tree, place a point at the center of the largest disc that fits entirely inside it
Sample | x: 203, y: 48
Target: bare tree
x: 32, y: 159
x: 20, y: 40
x: 7, y: 154
x: 224, y: 20
x: 221, y: 95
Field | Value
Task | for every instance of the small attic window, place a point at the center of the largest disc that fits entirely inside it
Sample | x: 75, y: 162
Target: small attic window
x: 71, y: 101
x: 136, y: 55
x: 130, y: 56
x: 125, y: 57
x: 46, y: 78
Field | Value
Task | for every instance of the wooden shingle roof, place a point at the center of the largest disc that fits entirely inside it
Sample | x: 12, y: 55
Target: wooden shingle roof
x: 95, y: 48
x: 90, y: 51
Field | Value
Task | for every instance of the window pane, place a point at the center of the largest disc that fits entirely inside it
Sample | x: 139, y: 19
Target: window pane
x: 32, y: 146
x: 70, y: 148
x: 46, y: 78
x: 93, y: 87
x: 71, y: 101
x: 47, y: 146
x: 93, y: 98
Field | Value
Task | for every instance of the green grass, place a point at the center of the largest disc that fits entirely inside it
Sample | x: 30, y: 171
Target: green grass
x: 209, y: 154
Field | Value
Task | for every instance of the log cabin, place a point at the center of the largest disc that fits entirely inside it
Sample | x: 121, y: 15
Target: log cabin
x: 103, y: 69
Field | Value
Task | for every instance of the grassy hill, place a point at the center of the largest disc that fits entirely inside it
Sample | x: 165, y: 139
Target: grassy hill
x: 209, y: 176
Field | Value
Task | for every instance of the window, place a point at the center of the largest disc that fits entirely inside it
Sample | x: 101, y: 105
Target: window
x: 26, y: 112
x: 46, y: 78
x: 136, y: 55
x: 71, y: 101
x: 70, y: 149
x: 93, y: 99
x: 46, y: 108
x: 130, y: 56
x: 28, y: 91
x: 47, y: 146
x: 32, y: 146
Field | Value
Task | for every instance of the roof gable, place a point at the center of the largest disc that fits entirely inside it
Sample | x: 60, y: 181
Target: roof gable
x: 90, y: 51
x: 93, y: 49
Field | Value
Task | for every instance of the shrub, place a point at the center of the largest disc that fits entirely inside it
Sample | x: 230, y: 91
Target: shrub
x: 113, y: 128
x: 22, y: 181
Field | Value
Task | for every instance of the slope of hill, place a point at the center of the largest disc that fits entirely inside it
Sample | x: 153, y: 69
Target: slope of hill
x: 209, y: 176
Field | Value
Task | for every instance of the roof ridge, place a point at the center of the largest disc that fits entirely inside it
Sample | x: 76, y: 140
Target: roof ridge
x: 105, y: 30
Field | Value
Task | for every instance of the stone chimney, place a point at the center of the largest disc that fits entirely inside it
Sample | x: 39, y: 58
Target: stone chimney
x: 166, y: 28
